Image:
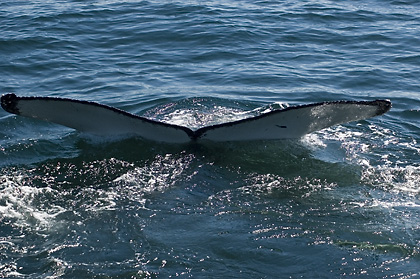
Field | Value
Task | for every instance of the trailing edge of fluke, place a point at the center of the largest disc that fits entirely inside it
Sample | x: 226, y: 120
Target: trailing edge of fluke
x: 287, y: 123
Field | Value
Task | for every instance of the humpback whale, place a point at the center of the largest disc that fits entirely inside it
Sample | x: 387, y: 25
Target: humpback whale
x: 285, y: 123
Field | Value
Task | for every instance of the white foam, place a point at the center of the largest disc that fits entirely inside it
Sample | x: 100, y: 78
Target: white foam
x: 387, y: 159
x: 157, y: 175
x: 17, y: 202
x: 195, y: 119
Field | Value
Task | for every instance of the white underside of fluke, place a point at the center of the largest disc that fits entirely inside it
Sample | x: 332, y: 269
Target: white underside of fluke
x: 99, y: 120
x: 287, y: 123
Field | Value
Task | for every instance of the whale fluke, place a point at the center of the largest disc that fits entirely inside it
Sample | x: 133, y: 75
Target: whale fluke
x: 286, y: 123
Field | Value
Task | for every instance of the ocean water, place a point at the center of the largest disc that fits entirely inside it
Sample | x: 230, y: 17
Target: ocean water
x: 340, y: 203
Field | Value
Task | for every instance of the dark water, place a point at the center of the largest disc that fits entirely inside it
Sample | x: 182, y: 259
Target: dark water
x: 340, y: 203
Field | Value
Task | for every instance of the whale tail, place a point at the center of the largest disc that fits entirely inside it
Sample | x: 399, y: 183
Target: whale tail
x: 285, y: 123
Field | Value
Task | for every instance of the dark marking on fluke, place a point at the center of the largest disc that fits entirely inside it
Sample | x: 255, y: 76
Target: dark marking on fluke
x: 383, y: 106
x: 9, y: 102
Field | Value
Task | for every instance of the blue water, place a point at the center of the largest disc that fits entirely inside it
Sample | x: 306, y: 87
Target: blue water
x: 340, y: 203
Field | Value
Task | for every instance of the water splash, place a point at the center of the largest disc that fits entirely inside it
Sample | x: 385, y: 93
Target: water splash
x: 20, y: 201
x: 199, y: 112
x: 388, y: 158
x: 157, y: 175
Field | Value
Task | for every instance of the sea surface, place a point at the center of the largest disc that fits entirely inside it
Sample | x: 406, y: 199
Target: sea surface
x: 340, y: 203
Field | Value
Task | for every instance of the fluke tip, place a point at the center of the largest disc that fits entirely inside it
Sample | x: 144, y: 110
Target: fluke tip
x: 8, y: 103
